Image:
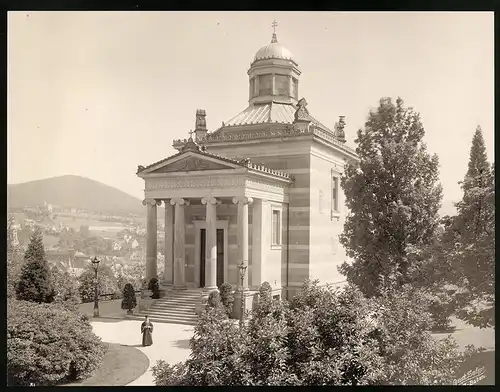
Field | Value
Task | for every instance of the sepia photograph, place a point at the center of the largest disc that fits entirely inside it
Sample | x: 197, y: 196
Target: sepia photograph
x: 240, y: 198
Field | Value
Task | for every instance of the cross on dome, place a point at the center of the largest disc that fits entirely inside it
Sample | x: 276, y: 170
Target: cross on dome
x: 274, y: 25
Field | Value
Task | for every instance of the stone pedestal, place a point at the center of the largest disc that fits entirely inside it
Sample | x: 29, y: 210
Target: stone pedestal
x: 248, y: 296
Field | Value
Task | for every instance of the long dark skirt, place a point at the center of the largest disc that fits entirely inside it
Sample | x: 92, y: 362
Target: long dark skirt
x: 147, y: 338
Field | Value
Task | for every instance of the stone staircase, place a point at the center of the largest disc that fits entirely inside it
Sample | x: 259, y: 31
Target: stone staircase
x: 177, y: 307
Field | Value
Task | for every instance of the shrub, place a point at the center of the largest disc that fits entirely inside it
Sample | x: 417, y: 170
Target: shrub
x: 322, y: 337
x: 214, y: 300
x: 66, y: 288
x: 35, y: 283
x: 227, y: 297
x: 129, y: 301
x: 154, y: 286
x: 49, y: 345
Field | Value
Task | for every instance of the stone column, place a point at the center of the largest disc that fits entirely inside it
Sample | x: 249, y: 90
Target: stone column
x: 169, y: 244
x: 259, y: 243
x: 211, y: 243
x: 151, y: 237
x: 179, y: 238
x: 243, y: 203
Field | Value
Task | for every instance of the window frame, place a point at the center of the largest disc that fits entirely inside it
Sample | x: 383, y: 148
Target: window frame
x: 335, y: 203
x: 279, y: 211
x: 268, y: 90
x: 287, y: 85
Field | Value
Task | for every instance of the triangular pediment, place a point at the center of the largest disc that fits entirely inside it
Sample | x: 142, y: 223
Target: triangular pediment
x: 192, y: 163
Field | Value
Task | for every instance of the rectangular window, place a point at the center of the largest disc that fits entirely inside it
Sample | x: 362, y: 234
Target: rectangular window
x: 276, y: 229
x: 265, y: 85
x: 281, y: 84
x: 252, y: 87
x: 335, y: 194
x: 295, y: 88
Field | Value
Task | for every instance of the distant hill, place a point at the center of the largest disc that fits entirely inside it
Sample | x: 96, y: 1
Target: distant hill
x: 73, y: 192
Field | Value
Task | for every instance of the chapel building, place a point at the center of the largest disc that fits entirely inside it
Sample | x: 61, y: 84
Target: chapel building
x: 263, y: 190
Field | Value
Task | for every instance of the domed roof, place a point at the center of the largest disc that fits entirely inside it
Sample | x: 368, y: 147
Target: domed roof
x: 273, y: 51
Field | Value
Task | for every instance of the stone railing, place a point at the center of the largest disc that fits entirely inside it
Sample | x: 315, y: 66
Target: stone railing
x: 287, y: 131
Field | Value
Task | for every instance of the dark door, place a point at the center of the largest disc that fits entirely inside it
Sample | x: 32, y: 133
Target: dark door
x: 220, y: 257
x: 202, y: 257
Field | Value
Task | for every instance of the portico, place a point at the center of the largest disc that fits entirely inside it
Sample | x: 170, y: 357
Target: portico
x: 201, y: 193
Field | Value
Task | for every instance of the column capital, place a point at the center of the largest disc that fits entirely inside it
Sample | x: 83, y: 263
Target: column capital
x: 242, y: 200
x: 180, y: 201
x: 151, y: 202
x: 210, y: 199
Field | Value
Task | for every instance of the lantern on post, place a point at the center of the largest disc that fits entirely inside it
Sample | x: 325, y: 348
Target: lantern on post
x: 242, y: 269
x: 95, y: 263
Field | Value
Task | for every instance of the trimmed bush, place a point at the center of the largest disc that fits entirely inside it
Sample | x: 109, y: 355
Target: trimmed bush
x: 214, y: 301
x: 154, y: 286
x: 49, y: 345
x: 129, y: 301
x: 107, y: 283
x: 227, y: 297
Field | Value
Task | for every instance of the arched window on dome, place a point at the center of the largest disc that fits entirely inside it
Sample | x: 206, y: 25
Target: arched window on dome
x: 281, y: 85
x: 265, y: 85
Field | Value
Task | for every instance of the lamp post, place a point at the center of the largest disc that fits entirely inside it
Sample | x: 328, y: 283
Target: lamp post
x: 243, y: 269
x: 95, y: 263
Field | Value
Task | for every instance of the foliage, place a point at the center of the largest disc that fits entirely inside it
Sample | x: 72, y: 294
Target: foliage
x: 469, y: 241
x: 66, y: 288
x: 129, y: 301
x: 35, y: 283
x: 393, y: 196
x: 322, y: 337
x: 49, y: 345
x: 14, y: 261
x: 214, y: 300
x: 107, y: 283
x: 227, y: 297
x: 154, y: 286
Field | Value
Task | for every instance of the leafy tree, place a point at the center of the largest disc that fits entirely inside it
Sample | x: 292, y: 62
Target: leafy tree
x: 469, y: 242
x: 66, y: 288
x: 107, y: 283
x: 35, y: 283
x: 129, y: 301
x: 323, y: 337
x: 393, y: 196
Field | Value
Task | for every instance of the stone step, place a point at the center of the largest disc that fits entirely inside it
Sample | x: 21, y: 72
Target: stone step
x: 173, y: 306
x: 179, y: 300
x: 187, y: 313
x: 173, y: 317
x: 173, y: 314
x: 163, y: 320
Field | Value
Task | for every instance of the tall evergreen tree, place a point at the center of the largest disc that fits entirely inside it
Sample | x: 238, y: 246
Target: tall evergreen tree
x: 469, y: 242
x: 35, y: 283
x: 393, y: 195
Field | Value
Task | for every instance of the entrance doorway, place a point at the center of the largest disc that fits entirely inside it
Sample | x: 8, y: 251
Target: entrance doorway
x: 220, y: 256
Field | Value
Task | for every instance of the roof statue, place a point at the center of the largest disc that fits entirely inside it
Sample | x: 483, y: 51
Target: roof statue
x: 201, y: 122
x: 339, y: 129
x: 190, y: 144
x: 302, y: 114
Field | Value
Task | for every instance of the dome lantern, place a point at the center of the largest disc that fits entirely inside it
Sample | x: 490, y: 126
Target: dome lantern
x: 273, y: 74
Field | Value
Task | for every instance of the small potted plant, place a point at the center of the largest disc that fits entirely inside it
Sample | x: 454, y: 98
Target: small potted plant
x: 129, y: 301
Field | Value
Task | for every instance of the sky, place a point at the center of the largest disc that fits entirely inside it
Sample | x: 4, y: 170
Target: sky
x: 97, y: 93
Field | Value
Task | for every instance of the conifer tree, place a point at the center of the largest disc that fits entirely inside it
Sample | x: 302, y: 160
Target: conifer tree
x: 469, y: 242
x: 35, y: 283
x: 393, y: 195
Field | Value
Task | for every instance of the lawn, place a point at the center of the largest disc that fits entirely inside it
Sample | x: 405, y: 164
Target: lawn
x: 110, y: 309
x: 121, y: 365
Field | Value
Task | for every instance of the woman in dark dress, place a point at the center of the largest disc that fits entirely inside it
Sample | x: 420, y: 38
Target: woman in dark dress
x: 147, y: 332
